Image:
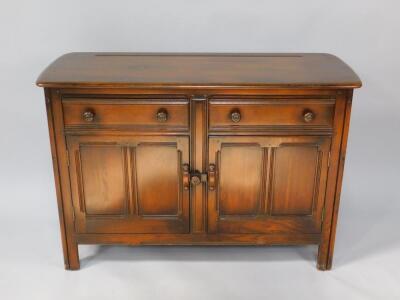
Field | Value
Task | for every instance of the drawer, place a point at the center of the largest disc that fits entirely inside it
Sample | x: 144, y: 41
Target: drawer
x: 231, y: 114
x: 144, y: 114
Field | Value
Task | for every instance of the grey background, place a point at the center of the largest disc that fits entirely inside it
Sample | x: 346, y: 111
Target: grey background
x: 363, y: 33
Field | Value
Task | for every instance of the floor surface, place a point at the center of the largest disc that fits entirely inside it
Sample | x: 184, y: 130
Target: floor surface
x: 366, y: 264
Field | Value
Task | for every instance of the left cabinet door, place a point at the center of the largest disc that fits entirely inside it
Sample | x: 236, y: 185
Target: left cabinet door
x: 129, y: 184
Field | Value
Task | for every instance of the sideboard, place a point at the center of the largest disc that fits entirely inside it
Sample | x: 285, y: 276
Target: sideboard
x: 198, y: 149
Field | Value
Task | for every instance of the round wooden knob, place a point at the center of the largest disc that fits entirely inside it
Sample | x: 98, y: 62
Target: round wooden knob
x: 162, y: 115
x: 235, y: 116
x: 308, y: 116
x: 195, y: 180
x: 88, y: 116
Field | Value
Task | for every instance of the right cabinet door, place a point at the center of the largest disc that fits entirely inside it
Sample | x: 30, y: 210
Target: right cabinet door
x: 272, y: 184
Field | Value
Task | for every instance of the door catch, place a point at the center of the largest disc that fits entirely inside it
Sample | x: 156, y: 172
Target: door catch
x: 196, y: 178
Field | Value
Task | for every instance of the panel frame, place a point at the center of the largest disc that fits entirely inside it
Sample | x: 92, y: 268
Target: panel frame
x: 267, y: 223
x: 131, y: 221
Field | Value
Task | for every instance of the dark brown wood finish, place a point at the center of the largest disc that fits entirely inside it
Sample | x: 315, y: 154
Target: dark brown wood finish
x: 209, y: 69
x: 130, y: 184
x: 165, y: 114
x: 277, y: 185
x: 198, y: 149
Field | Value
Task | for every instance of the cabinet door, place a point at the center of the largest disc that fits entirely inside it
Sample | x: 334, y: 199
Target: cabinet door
x: 267, y: 184
x: 129, y: 184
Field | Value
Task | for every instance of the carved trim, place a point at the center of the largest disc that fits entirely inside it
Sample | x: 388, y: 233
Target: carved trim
x: 318, y: 168
x: 185, y: 177
x: 211, y: 177
x: 129, y: 182
x: 81, y: 192
x: 274, y: 128
x: 272, y: 99
x: 180, y: 183
x: 270, y: 133
x: 126, y: 179
x: 119, y: 99
x: 267, y: 182
x: 126, y: 127
x: 214, y: 91
x: 218, y: 164
x: 134, y: 180
x: 271, y: 180
x: 203, y: 239
x: 263, y: 178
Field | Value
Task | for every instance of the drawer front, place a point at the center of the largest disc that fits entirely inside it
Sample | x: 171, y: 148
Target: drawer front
x: 144, y: 114
x: 231, y: 114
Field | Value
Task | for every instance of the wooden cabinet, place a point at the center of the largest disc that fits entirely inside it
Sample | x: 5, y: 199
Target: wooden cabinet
x: 198, y: 149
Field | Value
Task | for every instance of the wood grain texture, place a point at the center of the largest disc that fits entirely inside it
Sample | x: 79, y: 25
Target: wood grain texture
x: 198, y: 162
x: 195, y: 174
x: 239, y: 189
x: 259, y: 114
x: 119, y: 113
x: 295, y: 173
x: 158, y: 179
x: 200, y: 239
x: 68, y: 261
x: 64, y: 185
x: 342, y: 119
x: 270, y: 188
x: 102, y: 179
x: 129, y: 184
x: 199, y: 70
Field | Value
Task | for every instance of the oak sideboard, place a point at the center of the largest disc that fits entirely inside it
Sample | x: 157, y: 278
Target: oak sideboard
x: 198, y: 149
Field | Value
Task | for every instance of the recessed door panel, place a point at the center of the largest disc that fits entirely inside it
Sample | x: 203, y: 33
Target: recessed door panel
x: 102, y: 179
x: 129, y: 184
x: 240, y: 179
x: 295, y: 173
x: 157, y: 172
x: 272, y: 184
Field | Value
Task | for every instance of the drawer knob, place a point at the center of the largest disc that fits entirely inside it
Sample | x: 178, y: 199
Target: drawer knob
x: 162, y: 115
x: 308, y: 116
x: 235, y: 116
x: 88, y: 116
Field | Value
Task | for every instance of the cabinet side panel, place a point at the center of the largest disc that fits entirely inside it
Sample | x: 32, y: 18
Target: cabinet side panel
x: 343, y: 148
x: 47, y: 94
x: 338, y: 148
x: 63, y: 183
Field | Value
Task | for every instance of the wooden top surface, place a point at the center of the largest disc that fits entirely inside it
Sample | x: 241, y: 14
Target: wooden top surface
x: 123, y: 70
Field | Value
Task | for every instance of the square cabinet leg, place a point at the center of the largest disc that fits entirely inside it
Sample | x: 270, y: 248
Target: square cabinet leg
x: 71, y: 258
x: 324, y: 258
